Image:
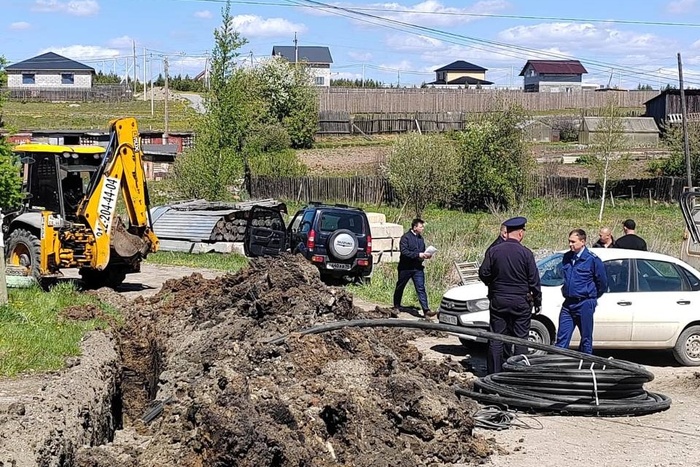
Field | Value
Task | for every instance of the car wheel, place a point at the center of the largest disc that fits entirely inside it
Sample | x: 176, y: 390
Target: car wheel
x: 687, y: 348
x: 343, y: 244
x: 540, y: 334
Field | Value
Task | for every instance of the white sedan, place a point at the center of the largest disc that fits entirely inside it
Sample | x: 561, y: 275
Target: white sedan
x: 652, y: 302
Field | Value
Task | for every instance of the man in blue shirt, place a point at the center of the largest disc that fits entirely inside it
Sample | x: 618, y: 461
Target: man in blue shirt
x: 585, y: 281
x: 412, y: 249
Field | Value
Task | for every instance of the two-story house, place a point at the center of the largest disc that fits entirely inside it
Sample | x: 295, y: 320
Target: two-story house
x: 552, y: 75
x: 317, y: 59
x: 460, y: 74
x: 49, y: 71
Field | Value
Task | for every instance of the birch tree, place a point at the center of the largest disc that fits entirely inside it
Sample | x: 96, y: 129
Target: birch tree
x: 609, y: 160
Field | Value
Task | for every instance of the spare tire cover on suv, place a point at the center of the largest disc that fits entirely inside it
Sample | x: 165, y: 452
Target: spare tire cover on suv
x: 342, y: 244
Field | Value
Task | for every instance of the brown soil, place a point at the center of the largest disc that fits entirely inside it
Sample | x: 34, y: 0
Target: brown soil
x: 199, y: 349
x: 360, y: 160
x: 367, y: 160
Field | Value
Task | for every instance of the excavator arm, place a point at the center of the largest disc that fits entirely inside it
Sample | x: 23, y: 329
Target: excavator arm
x: 122, y: 172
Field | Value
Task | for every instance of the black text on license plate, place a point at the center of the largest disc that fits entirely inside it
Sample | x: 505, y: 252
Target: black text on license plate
x: 339, y: 266
x: 448, y: 319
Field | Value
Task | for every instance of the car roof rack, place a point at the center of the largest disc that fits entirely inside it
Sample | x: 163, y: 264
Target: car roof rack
x: 337, y: 205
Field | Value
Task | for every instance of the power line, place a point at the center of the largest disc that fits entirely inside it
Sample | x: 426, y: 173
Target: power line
x: 510, y: 50
x: 473, y: 15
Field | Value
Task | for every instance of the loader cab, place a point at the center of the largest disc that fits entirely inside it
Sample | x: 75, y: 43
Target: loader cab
x: 55, y: 178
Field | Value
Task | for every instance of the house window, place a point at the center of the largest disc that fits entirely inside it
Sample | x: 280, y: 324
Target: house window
x: 28, y: 78
x: 319, y: 81
x: 67, y: 78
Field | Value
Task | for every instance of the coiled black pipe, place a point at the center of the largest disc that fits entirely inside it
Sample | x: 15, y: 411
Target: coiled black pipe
x: 569, y: 382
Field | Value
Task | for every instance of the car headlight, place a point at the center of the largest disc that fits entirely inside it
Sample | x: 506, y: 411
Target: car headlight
x: 481, y: 304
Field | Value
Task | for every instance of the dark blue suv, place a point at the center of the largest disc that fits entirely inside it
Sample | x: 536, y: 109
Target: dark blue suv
x: 335, y: 238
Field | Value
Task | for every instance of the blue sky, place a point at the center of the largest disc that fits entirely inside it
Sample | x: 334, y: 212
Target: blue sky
x: 623, y: 42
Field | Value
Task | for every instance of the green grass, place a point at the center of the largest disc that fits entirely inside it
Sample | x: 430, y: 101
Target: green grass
x: 96, y: 115
x: 33, y: 337
x: 221, y: 262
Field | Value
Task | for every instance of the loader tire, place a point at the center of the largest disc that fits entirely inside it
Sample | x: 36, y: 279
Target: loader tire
x: 23, y: 248
x: 111, y: 277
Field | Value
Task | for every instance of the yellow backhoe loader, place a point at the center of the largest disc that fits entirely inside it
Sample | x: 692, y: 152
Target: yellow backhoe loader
x: 68, y: 214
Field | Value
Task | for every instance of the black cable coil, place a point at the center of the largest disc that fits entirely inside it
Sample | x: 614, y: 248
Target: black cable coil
x: 569, y: 382
x: 567, y: 385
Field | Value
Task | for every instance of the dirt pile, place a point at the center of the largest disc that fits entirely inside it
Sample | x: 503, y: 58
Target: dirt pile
x: 199, y: 370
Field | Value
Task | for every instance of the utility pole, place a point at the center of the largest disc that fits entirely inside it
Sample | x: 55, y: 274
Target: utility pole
x: 398, y: 81
x: 363, y: 75
x: 684, y: 119
x: 133, y: 51
x: 145, y: 86
x: 165, y: 70
x: 296, y: 50
x: 152, y: 109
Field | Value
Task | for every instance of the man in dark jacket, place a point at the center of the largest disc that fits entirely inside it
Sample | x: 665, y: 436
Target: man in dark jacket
x: 412, y: 249
x: 630, y: 240
x: 510, y: 272
x: 585, y: 281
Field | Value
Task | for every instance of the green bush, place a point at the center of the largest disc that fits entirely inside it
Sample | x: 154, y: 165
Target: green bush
x: 495, y: 162
x: 423, y: 169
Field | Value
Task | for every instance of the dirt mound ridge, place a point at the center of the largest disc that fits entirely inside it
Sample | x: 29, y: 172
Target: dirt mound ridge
x: 351, y: 397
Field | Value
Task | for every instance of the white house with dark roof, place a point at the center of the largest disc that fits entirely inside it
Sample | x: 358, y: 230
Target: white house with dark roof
x: 49, y: 71
x: 317, y: 59
x: 460, y: 74
x: 552, y: 75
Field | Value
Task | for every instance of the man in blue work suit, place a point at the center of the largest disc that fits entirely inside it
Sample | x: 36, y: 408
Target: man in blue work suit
x: 510, y: 272
x: 412, y: 249
x: 585, y: 281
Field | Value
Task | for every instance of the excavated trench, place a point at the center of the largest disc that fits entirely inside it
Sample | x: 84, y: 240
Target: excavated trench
x: 200, y: 386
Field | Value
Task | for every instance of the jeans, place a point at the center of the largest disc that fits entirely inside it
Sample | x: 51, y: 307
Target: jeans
x: 418, y: 277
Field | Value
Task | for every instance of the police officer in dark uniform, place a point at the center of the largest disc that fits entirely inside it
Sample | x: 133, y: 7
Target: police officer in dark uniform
x: 510, y: 272
x: 585, y: 281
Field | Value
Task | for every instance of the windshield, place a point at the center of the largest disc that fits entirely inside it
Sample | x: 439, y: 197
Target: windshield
x: 550, y: 270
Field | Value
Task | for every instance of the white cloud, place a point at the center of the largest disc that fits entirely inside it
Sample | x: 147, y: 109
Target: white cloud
x: 204, y: 14
x: 123, y: 42
x: 360, y: 56
x: 187, y: 65
x: 71, y: 7
x: 83, y: 52
x: 408, y: 43
x: 20, y: 25
x: 255, y: 26
x: 434, y: 13
x: 586, y: 38
x: 403, y: 65
x: 680, y: 6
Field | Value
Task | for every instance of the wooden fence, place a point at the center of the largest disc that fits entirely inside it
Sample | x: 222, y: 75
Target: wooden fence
x: 97, y: 93
x: 356, y: 101
x: 377, y: 190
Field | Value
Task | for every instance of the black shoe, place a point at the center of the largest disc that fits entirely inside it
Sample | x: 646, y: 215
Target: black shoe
x: 429, y: 313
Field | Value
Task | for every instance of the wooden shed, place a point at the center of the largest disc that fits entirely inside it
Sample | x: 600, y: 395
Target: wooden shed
x: 639, y: 131
x: 666, y: 107
x: 536, y: 131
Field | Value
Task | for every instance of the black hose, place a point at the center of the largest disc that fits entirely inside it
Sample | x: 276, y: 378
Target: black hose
x: 569, y: 382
